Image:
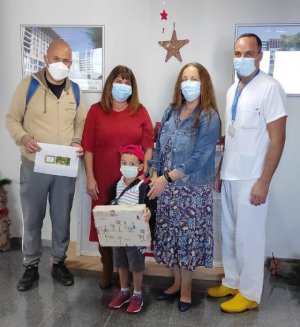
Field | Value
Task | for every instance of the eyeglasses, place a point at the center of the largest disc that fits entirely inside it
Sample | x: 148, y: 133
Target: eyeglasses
x: 246, y: 54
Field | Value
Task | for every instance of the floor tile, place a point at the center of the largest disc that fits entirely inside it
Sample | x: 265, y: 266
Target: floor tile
x: 50, y: 304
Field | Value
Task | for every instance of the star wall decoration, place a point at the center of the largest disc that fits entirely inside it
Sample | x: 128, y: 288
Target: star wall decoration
x: 164, y: 15
x: 173, y: 46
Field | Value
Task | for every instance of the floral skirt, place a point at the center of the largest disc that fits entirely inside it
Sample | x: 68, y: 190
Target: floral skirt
x: 184, y: 227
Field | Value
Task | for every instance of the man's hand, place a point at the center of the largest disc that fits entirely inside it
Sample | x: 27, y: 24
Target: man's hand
x: 259, y: 193
x: 31, y: 146
x: 79, y: 150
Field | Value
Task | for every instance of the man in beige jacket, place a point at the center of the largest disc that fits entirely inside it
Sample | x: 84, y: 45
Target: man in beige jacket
x: 51, y: 116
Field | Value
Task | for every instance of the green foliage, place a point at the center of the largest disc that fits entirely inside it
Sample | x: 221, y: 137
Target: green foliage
x: 291, y: 42
x: 96, y: 37
x: 296, y: 270
x: 5, y: 181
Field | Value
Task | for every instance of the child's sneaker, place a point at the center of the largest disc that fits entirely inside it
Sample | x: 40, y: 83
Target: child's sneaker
x: 135, y: 305
x: 121, y: 299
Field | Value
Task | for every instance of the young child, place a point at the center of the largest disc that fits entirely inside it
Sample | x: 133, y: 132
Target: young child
x: 130, y: 258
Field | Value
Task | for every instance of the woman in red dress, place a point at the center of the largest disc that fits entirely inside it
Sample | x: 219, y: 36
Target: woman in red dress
x: 117, y: 120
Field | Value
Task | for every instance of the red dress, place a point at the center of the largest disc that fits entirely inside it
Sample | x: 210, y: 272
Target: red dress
x: 103, y: 135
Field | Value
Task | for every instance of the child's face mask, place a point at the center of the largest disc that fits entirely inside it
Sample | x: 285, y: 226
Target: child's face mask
x: 129, y: 171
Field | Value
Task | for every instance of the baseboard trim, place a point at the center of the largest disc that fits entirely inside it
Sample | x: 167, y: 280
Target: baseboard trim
x: 85, y: 262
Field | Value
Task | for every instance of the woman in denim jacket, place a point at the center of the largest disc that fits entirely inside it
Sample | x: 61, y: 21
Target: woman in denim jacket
x: 183, y: 171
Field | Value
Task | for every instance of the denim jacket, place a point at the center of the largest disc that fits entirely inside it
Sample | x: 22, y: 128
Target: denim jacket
x: 193, y: 151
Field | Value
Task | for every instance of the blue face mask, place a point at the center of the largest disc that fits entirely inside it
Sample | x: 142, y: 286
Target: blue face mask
x: 190, y: 90
x: 244, y: 66
x: 121, y: 92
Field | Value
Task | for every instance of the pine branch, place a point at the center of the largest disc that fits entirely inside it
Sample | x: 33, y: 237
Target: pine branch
x: 5, y: 181
x: 296, y: 269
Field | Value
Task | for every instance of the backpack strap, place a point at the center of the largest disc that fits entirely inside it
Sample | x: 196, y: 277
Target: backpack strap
x: 150, y: 204
x: 33, y: 85
x: 143, y: 190
x: 167, y: 119
x: 128, y: 187
x: 76, y: 92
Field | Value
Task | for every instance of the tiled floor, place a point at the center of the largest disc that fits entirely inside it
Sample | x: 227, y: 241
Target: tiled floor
x: 84, y: 304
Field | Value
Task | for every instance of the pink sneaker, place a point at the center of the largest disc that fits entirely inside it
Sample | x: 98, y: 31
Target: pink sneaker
x: 135, y: 305
x: 121, y: 299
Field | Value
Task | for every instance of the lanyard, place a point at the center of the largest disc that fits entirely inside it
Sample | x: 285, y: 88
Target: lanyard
x: 237, y: 94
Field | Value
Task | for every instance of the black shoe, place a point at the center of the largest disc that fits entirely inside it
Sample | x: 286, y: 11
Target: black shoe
x: 162, y: 296
x: 62, y: 274
x: 184, y: 306
x: 30, y: 275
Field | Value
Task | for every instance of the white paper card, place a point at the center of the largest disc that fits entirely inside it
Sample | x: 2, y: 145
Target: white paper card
x: 53, y: 159
x: 122, y: 225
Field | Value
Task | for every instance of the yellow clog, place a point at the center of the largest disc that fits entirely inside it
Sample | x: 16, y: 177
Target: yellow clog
x: 238, y: 304
x: 221, y: 291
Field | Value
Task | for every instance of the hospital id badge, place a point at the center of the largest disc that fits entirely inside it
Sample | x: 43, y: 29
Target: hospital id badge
x: 231, y: 130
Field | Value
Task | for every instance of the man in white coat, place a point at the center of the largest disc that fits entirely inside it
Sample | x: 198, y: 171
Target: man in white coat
x: 255, y: 122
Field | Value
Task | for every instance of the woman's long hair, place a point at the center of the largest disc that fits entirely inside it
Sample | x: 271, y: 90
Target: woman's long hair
x: 106, y: 98
x: 207, y: 96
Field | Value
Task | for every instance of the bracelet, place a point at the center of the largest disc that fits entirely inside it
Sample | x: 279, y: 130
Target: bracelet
x: 168, y: 178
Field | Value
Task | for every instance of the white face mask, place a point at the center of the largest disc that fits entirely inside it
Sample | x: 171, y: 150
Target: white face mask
x: 129, y: 171
x: 58, y: 71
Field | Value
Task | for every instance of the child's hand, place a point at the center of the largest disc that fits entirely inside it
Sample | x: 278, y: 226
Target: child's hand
x: 147, y: 215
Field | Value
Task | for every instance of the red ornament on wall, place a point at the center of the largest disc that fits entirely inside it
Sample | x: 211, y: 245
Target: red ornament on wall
x: 164, y: 15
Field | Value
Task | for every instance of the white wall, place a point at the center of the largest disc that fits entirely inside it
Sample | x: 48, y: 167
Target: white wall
x: 132, y: 30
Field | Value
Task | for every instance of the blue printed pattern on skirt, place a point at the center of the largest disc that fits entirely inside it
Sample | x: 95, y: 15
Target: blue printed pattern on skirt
x: 184, y: 230
x: 184, y: 223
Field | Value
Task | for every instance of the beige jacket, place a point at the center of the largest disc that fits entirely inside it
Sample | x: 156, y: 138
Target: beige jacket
x: 47, y: 119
